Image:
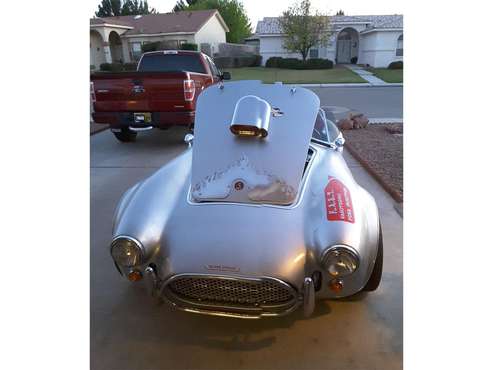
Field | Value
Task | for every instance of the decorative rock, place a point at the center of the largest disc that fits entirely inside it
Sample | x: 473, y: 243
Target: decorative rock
x: 353, y: 115
x: 345, y: 124
x: 361, y: 121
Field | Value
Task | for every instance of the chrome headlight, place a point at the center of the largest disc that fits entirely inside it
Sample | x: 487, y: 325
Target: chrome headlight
x: 127, y: 251
x: 340, y: 261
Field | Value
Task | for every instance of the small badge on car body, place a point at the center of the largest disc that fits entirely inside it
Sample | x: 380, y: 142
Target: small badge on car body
x: 222, y: 268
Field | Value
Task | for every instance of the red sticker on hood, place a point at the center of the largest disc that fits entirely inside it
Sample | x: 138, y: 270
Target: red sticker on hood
x: 338, y: 202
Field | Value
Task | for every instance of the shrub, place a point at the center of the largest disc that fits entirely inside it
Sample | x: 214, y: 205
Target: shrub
x: 354, y: 60
x: 316, y: 63
x: 151, y: 46
x: 111, y: 67
x: 396, y: 65
x: 273, y: 62
x: 189, y: 46
x: 130, y: 66
x: 93, y: 67
x: 293, y: 63
x: 290, y: 63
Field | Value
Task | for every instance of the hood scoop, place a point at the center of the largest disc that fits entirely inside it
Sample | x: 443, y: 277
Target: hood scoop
x: 244, y: 150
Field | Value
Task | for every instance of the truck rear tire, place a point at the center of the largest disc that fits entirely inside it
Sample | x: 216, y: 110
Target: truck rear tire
x: 125, y: 135
x: 376, y: 275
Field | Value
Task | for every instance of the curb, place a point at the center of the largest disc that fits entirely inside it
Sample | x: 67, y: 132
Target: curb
x: 394, y: 194
x: 382, y: 121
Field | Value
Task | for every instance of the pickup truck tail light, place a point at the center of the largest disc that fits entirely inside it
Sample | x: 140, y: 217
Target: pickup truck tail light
x: 189, y: 89
x: 93, y: 94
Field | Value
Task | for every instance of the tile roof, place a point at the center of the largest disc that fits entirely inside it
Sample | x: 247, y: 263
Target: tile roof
x: 387, y: 21
x: 270, y: 25
x: 121, y: 21
x: 186, y: 21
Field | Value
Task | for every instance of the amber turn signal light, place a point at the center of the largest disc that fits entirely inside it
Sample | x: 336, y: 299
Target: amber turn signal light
x: 135, y: 275
x: 336, y: 285
x: 248, y: 130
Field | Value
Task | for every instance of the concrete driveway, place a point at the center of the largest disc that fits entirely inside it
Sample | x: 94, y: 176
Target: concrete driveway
x: 128, y: 331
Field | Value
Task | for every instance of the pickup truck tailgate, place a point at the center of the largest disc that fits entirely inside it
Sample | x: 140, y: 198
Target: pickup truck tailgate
x: 141, y: 92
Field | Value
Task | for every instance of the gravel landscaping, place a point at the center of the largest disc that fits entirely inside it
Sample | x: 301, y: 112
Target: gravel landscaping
x: 380, y: 146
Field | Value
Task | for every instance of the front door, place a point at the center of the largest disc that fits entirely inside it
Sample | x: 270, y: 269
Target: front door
x: 343, y: 51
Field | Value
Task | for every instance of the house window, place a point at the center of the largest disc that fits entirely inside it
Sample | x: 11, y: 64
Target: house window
x: 136, y: 50
x: 313, y: 53
x: 400, y: 46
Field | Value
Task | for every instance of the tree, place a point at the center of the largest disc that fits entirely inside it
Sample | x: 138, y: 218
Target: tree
x: 183, y: 5
x: 340, y: 12
x: 136, y: 7
x: 234, y: 16
x: 303, y: 28
x: 113, y: 8
x: 109, y: 8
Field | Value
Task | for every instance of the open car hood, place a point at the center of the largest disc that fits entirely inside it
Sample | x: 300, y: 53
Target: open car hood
x: 264, y: 168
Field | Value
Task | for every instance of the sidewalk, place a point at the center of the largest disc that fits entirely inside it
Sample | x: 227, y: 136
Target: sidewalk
x: 364, y: 74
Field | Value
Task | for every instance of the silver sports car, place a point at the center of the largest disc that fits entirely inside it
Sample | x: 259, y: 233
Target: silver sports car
x: 260, y: 215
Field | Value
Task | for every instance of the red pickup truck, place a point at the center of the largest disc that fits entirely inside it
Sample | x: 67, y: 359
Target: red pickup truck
x: 161, y: 93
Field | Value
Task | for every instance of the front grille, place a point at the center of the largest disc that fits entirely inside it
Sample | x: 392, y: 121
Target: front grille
x: 235, y: 293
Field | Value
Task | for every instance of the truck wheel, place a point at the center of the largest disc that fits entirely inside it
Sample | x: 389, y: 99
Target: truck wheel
x: 376, y: 275
x: 125, y: 135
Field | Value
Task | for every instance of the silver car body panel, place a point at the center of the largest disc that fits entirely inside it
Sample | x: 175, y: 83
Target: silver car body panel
x: 268, y: 168
x: 238, y: 239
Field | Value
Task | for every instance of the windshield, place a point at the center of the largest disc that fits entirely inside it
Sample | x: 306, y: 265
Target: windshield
x: 171, y: 63
x: 325, y: 128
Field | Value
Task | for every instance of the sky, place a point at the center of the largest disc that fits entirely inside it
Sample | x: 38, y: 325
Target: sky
x: 257, y: 9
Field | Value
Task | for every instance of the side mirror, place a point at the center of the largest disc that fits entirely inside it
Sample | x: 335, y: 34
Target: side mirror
x: 339, y: 142
x: 188, y: 139
x: 226, y: 76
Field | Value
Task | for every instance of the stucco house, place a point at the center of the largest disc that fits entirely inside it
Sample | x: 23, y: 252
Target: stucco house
x: 119, y: 39
x: 376, y: 40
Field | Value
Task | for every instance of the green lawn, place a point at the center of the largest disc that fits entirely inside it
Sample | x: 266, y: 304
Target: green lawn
x: 388, y: 75
x: 270, y: 75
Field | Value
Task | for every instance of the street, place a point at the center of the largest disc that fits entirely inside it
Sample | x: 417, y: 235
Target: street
x: 375, y: 102
x: 130, y: 331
